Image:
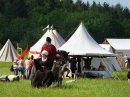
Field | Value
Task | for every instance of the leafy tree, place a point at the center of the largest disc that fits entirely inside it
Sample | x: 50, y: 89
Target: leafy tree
x: 126, y: 13
x: 67, y: 5
x: 23, y: 20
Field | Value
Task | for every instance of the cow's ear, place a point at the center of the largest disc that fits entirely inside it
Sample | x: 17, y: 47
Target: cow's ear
x: 68, y: 52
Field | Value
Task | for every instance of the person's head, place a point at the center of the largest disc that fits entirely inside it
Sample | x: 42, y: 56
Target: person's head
x: 32, y: 57
x: 28, y: 57
x: 101, y: 64
x: 22, y: 58
x: 48, y: 39
x: 44, y: 53
x: 15, y: 61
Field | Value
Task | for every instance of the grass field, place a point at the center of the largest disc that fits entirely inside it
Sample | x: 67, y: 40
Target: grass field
x: 83, y: 87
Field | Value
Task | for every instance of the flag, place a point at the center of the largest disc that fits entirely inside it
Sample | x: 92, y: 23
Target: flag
x: 24, y: 53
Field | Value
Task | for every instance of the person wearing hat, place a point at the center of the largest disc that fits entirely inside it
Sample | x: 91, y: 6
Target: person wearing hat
x: 42, y: 75
x: 28, y: 67
x: 50, y: 48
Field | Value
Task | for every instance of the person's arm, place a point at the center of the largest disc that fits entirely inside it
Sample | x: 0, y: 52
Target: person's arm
x: 126, y: 66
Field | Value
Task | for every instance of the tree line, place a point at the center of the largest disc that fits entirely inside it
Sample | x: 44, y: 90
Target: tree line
x: 22, y: 21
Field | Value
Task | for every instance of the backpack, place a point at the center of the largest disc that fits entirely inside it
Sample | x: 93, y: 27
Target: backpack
x: 11, y: 68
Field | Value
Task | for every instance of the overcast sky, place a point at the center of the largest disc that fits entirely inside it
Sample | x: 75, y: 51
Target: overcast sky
x: 123, y: 3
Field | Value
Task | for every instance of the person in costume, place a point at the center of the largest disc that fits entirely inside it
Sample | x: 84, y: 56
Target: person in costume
x: 43, y: 76
x: 50, y: 48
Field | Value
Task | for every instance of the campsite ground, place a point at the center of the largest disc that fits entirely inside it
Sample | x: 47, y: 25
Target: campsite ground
x: 80, y: 88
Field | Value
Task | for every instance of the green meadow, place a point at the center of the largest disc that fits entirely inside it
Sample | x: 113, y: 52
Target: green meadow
x: 83, y: 87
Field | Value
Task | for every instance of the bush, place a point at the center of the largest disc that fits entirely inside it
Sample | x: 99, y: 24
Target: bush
x: 121, y: 75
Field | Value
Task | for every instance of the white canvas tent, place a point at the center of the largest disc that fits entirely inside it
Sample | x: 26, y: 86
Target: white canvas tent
x: 81, y: 43
x: 57, y: 40
x: 120, y: 45
x: 8, y: 52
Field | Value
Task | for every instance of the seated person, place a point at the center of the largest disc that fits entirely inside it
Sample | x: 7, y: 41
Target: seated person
x: 85, y: 68
x: 101, y: 66
x: 42, y: 76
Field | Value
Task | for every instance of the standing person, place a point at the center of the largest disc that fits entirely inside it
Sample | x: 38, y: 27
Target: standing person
x: 79, y: 66
x: 15, y: 67
x: 125, y: 57
x: 73, y: 63
x: 50, y: 48
x: 128, y: 67
x: 21, y: 67
x: 28, y: 66
x: 87, y: 61
x: 27, y: 62
x: 43, y: 76
x: 126, y: 60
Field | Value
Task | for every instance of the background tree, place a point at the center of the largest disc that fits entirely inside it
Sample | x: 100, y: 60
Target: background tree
x: 23, y: 20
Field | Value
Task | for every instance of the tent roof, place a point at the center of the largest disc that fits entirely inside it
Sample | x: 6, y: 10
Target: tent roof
x: 107, y: 47
x: 118, y: 44
x: 8, y: 52
x: 81, y: 43
x: 57, y: 40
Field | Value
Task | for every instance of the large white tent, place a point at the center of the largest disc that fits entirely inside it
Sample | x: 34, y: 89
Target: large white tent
x: 8, y: 53
x: 81, y: 43
x: 57, y: 40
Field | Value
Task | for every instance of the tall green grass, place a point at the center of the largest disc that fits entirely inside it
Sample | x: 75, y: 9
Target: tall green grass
x: 82, y: 87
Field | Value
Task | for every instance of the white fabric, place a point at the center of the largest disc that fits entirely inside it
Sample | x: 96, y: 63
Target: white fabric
x: 56, y: 40
x: 3, y: 77
x: 8, y: 52
x: 12, y: 77
x: 110, y: 63
x: 120, y: 45
x: 107, y: 47
x: 81, y: 43
x: 113, y: 59
x: 45, y: 52
x: 27, y: 63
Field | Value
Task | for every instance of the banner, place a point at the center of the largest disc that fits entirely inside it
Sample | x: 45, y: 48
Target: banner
x: 24, y: 53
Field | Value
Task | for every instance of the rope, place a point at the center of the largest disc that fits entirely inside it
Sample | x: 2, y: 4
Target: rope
x: 71, y: 32
x: 108, y: 66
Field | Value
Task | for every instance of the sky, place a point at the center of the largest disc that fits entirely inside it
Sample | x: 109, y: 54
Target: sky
x: 124, y: 3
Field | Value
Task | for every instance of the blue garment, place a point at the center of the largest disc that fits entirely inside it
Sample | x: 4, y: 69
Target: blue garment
x: 16, y: 72
x: 73, y: 64
x: 28, y: 72
x: 21, y: 69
